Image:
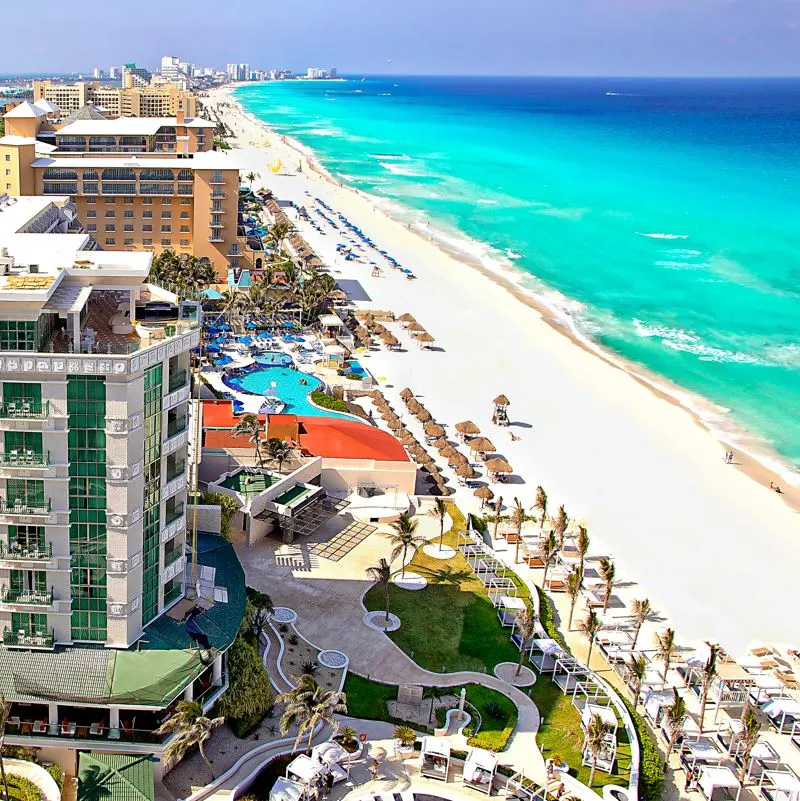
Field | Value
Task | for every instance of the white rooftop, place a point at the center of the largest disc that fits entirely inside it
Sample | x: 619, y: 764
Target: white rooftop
x: 132, y: 126
x: 210, y: 160
x: 25, y: 110
x: 46, y: 106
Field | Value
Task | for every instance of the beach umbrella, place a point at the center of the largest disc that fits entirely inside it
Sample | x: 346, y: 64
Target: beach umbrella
x: 250, y: 324
x: 484, y: 493
x: 425, y: 338
x: 481, y: 445
x: 415, y: 326
x: 388, y: 414
x: 443, y: 490
x: 407, y: 318
x: 394, y: 424
x: 413, y: 405
x: 408, y: 438
x: 467, y: 427
x: 416, y: 450
x: 425, y: 458
x: 432, y: 429
x: 433, y: 471
x: 466, y: 471
x: 406, y: 394
x: 498, y: 465
x: 457, y: 459
x: 423, y: 415
x: 390, y: 340
x: 448, y: 450
x: 501, y: 400
x: 441, y: 444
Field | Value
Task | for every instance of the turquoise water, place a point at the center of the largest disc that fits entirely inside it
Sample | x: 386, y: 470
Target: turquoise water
x: 287, y: 387
x: 274, y: 358
x: 660, y: 217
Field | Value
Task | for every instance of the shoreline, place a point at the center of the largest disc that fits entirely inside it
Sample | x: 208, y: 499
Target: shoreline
x: 646, y: 477
x: 766, y: 468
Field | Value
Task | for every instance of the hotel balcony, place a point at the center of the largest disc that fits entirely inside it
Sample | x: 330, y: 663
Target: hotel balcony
x: 216, y: 237
x: 173, y: 514
x: 178, y: 426
x: 175, y: 470
x: 26, y: 597
x: 218, y: 194
x: 25, y: 410
x: 217, y: 180
x: 27, y: 460
x: 178, y: 379
x: 23, y: 508
x: 24, y: 639
x: 170, y: 557
x: 25, y: 552
x: 212, y: 210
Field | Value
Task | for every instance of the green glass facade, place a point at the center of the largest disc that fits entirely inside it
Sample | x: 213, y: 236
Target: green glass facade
x: 23, y: 441
x: 86, y: 407
x: 152, y: 492
x: 28, y: 624
x: 20, y: 392
x: 26, y: 536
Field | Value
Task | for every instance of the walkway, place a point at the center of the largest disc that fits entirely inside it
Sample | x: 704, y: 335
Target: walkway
x: 35, y: 774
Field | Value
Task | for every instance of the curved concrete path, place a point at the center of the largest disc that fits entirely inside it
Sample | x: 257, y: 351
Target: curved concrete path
x: 35, y: 774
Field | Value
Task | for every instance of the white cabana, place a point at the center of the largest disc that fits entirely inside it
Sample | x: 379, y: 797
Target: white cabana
x: 521, y: 788
x: 569, y: 672
x: 779, y: 785
x: 286, y: 790
x: 435, y: 758
x: 330, y: 321
x: 608, y: 753
x: 332, y: 756
x: 689, y: 729
x: 717, y: 782
x: 614, y: 644
x: 508, y: 608
x: 782, y: 713
x: 544, y: 653
x: 699, y: 753
x: 655, y: 702
x: 479, y: 769
x: 306, y: 771
x: 605, y: 713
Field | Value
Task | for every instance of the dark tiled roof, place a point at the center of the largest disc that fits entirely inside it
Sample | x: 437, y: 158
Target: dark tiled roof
x: 115, y: 777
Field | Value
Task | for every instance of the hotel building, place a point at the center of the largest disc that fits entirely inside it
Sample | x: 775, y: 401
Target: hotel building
x: 94, y: 375
x: 165, y: 100
x: 138, y: 184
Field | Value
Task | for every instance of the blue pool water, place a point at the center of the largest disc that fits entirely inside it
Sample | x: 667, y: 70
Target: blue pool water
x: 355, y: 368
x: 287, y: 386
x: 274, y: 359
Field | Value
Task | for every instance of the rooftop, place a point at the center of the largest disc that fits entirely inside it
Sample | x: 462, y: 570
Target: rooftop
x: 152, y: 674
x: 116, y: 777
x: 25, y: 110
x: 208, y: 160
x: 128, y: 126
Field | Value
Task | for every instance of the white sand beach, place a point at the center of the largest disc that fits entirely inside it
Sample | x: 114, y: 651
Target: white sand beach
x: 713, y: 548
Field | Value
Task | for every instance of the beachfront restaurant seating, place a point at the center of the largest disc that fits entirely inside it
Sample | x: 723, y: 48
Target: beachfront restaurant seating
x: 479, y: 769
x: 435, y: 758
x: 783, y: 714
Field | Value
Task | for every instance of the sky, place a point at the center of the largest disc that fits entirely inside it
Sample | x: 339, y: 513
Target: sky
x: 470, y: 37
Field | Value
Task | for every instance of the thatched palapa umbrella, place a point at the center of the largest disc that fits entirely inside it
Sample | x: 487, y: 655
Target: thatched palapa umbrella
x: 441, y: 444
x: 406, y: 394
x: 390, y: 340
x: 468, y: 428
x: 425, y: 458
x: 387, y: 414
x: 498, y: 465
x: 484, y: 493
x: 432, y: 429
x: 415, y: 326
x: 408, y: 439
x: 413, y: 405
x: 481, y: 445
x: 466, y: 471
x: 394, y: 424
x: 502, y: 401
x: 407, y: 318
x: 425, y: 338
x: 448, y: 451
x: 423, y: 415
x: 457, y: 459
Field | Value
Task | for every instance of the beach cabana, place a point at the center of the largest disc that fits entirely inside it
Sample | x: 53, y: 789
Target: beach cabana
x: 544, y: 654
x: 479, y: 769
x: 423, y: 415
x: 498, y: 468
x: 569, y: 672
x: 608, y: 752
x: 287, y: 790
x: 481, y: 445
x: 484, y: 493
x: 700, y: 753
x: 433, y: 430
x: 779, y: 785
x: 520, y: 788
x: 783, y: 713
x: 655, y: 704
x: 307, y: 772
x: 614, y: 644
x: 333, y: 756
x: 467, y: 428
x: 718, y: 782
x: 425, y: 339
x: 508, y: 608
x: 435, y: 758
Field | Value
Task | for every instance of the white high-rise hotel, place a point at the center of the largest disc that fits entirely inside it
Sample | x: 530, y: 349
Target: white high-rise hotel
x: 94, y: 415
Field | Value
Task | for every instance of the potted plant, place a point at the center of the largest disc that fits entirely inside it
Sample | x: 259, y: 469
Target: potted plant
x: 348, y: 739
x: 405, y: 737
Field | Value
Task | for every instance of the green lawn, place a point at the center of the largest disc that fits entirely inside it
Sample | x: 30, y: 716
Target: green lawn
x: 451, y: 625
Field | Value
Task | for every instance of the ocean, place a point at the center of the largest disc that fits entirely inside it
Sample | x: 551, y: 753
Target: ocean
x: 658, y: 218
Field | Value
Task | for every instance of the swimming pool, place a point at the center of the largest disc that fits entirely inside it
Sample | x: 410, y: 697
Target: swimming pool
x: 292, y: 496
x: 274, y: 359
x: 287, y: 387
x: 354, y: 368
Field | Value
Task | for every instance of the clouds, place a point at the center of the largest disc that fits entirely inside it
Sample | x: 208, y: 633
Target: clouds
x: 566, y: 37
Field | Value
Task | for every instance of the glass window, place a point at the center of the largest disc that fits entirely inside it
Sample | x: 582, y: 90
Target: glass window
x: 147, y: 228
x: 111, y: 241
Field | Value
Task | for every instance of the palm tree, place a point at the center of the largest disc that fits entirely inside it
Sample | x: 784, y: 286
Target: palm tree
x: 746, y: 739
x: 595, y: 742
x: 404, y: 538
x: 497, y: 508
x: 93, y: 783
x: 251, y: 177
x: 439, y: 511
x: 589, y: 627
x: 519, y: 517
x: 637, y: 670
x: 279, y: 451
x: 582, y: 545
x: 707, y: 675
x: 191, y: 728
x: 676, y: 716
x: 381, y: 575
x: 258, y: 609
x: 574, y: 587
x: 560, y: 523
x: 540, y: 504
x: 308, y: 705
x: 642, y: 610
x: 231, y: 304
x: 548, y: 551
x: 250, y: 427
x: 5, y: 711
x: 665, y: 649
x: 525, y: 623
x: 608, y: 572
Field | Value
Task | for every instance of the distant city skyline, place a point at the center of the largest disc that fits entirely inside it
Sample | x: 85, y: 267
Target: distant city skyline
x: 596, y: 37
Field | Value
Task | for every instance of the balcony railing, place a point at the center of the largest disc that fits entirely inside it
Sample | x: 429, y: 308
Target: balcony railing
x: 172, y: 594
x: 68, y: 730
x: 175, y: 427
x: 26, y: 551
x: 217, y: 180
x: 19, y: 506
x: 213, y: 210
x: 174, y: 513
x: 176, y: 470
x: 216, y: 238
x: 218, y: 194
x: 172, y: 556
x: 24, y: 639
x: 27, y: 459
x: 178, y: 380
x: 26, y: 410
x: 26, y: 597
